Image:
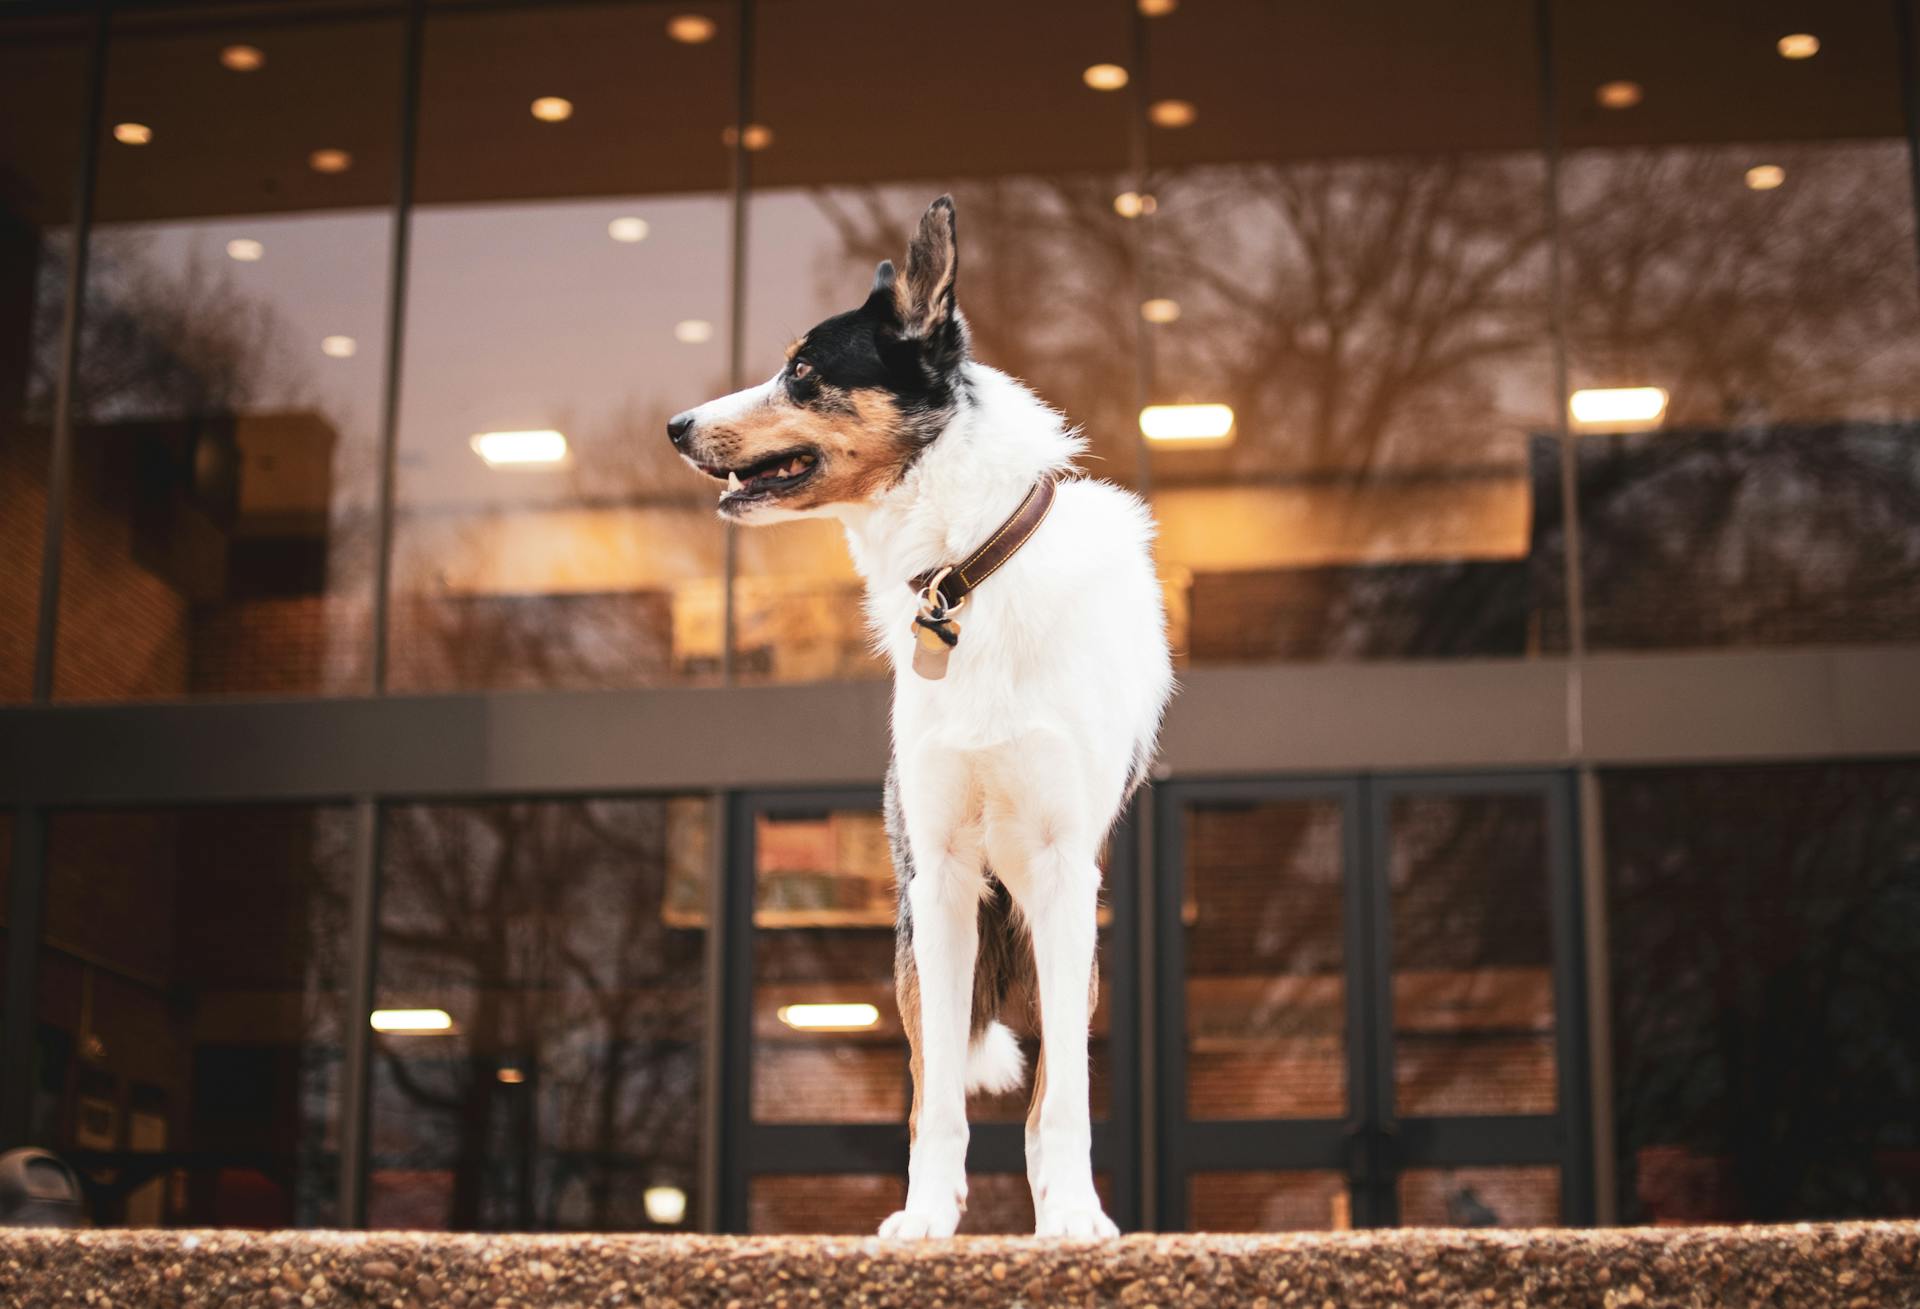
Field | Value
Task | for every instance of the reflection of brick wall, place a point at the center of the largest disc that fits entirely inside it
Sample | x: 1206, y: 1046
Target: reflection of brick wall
x: 23, y: 499
x: 298, y: 645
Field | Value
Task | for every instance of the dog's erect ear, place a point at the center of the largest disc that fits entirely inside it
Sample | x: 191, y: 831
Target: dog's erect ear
x: 925, y: 297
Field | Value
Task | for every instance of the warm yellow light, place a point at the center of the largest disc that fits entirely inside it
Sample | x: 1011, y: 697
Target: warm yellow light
x: 693, y: 331
x: 520, y: 449
x: 758, y: 136
x: 1619, y: 95
x: 330, y: 161
x: 338, y: 347
x: 552, y: 109
x: 627, y: 231
x: 1186, y: 422
x: 665, y: 1205
x: 245, y: 249
x: 411, y: 1020
x: 132, y: 133
x: 1172, y: 113
x: 242, y: 58
x: 1105, y: 77
x: 1158, y: 8
x: 510, y: 1076
x: 1798, y: 45
x: 1160, y: 310
x: 1764, y: 177
x: 691, y: 29
x: 829, y: 1017
x: 1618, y: 406
x: 1132, y: 204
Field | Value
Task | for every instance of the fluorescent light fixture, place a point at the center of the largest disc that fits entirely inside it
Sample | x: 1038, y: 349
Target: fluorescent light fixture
x: 1172, y: 113
x: 1132, y: 204
x: 245, y: 249
x: 1798, y: 45
x: 509, y: 1076
x: 1105, y: 77
x: 132, y: 133
x: 521, y: 449
x: 338, y: 347
x: 1618, y: 406
x: 330, y: 160
x: 829, y: 1017
x: 665, y: 1205
x: 1160, y: 310
x: 1619, y: 95
x: 399, y: 1021
x: 552, y: 109
x: 1764, y: 177
x: 628, y: 230
x: 1186, y: 422
x: 691, y: 29
x: 242, y: 58
x: 693, y: 331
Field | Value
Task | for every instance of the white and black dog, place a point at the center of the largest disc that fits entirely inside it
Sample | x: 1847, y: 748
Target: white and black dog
x: 1029, y: 719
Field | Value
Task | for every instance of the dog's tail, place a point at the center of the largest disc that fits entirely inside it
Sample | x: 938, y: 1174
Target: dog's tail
x: 995, y: 1064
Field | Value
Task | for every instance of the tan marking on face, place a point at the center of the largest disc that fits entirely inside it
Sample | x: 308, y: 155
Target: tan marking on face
x: 861, y: 454
x: 794, y: 348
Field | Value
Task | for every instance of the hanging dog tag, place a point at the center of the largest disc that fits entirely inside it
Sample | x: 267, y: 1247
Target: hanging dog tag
x: 933, y: 642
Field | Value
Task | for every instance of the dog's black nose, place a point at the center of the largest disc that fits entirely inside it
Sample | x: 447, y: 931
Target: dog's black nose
x: 678, y: 426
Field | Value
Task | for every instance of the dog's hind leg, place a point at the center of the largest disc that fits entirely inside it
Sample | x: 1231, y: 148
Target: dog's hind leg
x: 934, y: 961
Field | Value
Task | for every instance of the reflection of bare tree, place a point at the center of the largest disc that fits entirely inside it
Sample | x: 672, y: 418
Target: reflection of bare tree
x: 1765, y: 983
x: 540, y: 928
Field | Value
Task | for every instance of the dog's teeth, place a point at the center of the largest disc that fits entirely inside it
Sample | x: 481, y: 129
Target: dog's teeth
x: 733, y: 481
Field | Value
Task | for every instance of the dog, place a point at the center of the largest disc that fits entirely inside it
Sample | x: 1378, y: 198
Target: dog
x: 1025, y: 711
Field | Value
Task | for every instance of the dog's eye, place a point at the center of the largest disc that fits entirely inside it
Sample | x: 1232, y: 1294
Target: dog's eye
x: 802, y: 370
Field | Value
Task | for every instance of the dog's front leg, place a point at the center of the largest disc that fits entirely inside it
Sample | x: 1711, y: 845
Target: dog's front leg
x: 943, y: 905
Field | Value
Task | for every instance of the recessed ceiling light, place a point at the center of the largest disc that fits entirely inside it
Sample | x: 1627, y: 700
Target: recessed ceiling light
x: 829, y: 1017
x: 132, y: 133
x: 1186, y: 422
x: 1131, y: 204
x: 665, y: 1205
x: 245, y: 249
x: 411, y: 1020
x: 691, y: 29
x: 1618, y: 407
x: 1619, y: 95
x: 330, y: 161
x: 1105, y: 77
x: 758, y: 136
x: 242, y: 58
x: 509, y: 1076
x: 1764, y: 177
x: 520, y: 449
x: 1171, y: 113
x: 338, y: 347
x: 1798, y: 45
x: 1158, y: 8
x: 1160, y: 310
x: 628, y: 230
x: 552, y: 109
x: 693, y: 331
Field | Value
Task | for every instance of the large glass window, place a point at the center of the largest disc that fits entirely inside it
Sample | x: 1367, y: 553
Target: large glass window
x: 1761, y: 931
x: 539, y: 1016
x: 1348, y: 249
x: 43, y: 81
x: 1738, y: 250
x: 219, y: 535
x: 567, y: 295
x: 187, y: 1044
x: 869, y: 111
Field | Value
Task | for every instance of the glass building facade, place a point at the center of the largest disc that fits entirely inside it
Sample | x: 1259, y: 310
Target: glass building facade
x: 396, y: 838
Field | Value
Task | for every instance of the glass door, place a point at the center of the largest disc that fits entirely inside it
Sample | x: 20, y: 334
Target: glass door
x: 1367, y: 991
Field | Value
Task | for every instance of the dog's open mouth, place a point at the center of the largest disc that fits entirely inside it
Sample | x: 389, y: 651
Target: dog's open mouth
x: 766, y: 479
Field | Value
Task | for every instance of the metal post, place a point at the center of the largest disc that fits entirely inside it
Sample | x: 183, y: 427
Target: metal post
x: 356, y: 1034
x: 737, y: 297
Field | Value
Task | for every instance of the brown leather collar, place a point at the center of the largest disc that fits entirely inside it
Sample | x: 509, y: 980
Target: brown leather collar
x: 958, y: 579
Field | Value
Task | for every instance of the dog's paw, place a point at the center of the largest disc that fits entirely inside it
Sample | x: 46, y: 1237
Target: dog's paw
x: 918, y: 1224
x: 1076, y: 1223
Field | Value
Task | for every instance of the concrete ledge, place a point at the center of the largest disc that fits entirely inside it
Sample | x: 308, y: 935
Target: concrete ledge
x: 1850, y: 1266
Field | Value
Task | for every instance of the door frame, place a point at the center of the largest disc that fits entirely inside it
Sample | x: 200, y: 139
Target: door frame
x: 1371, y: 1144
